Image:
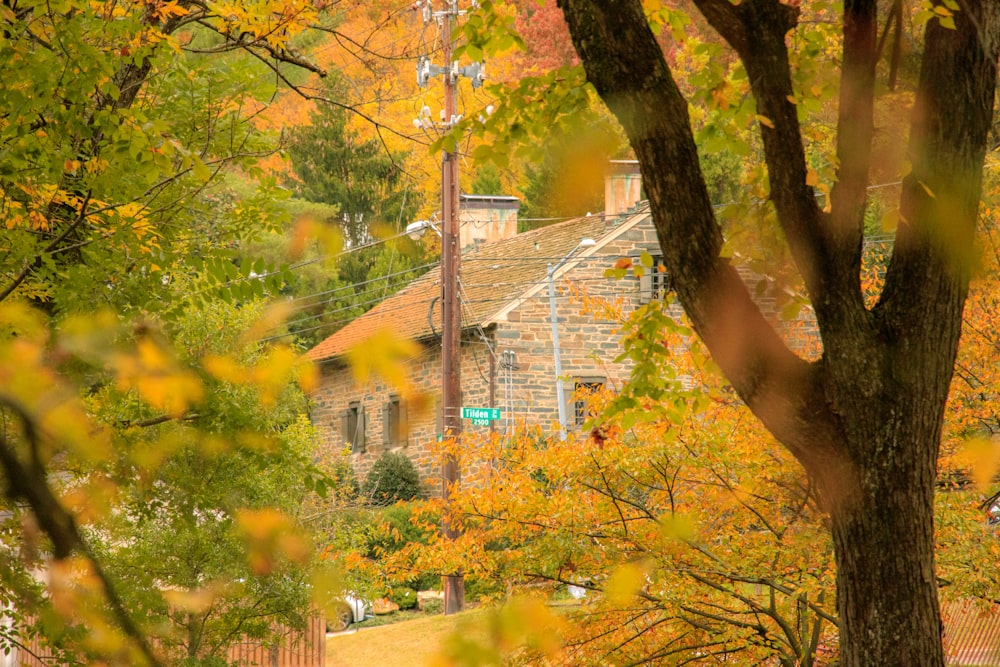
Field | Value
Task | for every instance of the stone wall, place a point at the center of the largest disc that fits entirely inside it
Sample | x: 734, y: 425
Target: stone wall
x: 338, y: 390
x: 588, y: 345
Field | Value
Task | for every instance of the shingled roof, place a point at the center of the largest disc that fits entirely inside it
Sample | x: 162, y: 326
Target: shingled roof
x: 492, y: 276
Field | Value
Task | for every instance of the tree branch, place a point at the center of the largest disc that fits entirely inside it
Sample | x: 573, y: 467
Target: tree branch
x: 952, y: 118
x: 756, y: 30
x: 626, y: 65
x: 855, y: 132
x: 30, y: 483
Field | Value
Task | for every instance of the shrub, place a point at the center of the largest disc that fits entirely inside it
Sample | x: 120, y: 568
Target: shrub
x: 427, y: 581
x: 392, y: 478
x: 404, y: 596
x: 392, y: 530
x: 434, y: 606
x: 483, y: 588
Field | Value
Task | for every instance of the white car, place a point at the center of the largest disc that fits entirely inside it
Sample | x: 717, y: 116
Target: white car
x: 347, y: 609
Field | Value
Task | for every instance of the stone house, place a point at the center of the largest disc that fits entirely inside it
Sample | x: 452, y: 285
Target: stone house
x: 508, y: 351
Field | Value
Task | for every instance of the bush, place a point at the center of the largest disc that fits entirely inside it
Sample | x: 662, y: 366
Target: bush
x: 404, y: 596
x: 392, y: 478
x: 478, y: 588
x: 392, y: 529
x: 427, y: 581
x: 434, y: 607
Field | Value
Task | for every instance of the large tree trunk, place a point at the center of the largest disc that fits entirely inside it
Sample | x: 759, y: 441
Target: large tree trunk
x: 865, y: 421
x: 882, y: 525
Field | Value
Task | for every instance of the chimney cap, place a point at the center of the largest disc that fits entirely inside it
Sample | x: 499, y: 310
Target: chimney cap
x: 489, y: 201
x: 623, y: 166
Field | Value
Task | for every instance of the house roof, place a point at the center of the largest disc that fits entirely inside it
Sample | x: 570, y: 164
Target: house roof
x: 971, y: 633
x: 492, y: 277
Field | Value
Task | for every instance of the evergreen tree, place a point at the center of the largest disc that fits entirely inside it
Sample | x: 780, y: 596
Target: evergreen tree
x: 333, y: 164
x: 366, y: 185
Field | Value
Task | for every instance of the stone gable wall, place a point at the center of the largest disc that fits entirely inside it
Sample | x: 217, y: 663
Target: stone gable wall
x: 338, y: 390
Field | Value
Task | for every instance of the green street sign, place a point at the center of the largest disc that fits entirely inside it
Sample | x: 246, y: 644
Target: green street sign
x: 481, y: 416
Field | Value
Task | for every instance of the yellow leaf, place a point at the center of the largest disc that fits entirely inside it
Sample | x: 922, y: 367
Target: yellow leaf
x: 812, y: 178
x: 307, y: 375
x: 273, y: 373
x: 327, y: 585
x: 274, y: 315
x: 171, y: 393
x: 224, y: 368
x: 172, y: 8
x: 386, y: 355
x: 195, y: 601
x: 890, y: 221
x: 152, y: 356
x: 154, y: 373
x: 270, y: 536
x: 624, y: 582
x: 764, y: 120
x: 308, y: 229
x: 982, y: 456
x: 676, y: 527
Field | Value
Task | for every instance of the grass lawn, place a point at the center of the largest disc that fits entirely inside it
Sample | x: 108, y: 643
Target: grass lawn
x: 406, y: 644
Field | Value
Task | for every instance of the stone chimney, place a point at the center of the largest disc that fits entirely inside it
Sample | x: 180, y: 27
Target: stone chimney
x: 622, y: 187
x: 486, y: 218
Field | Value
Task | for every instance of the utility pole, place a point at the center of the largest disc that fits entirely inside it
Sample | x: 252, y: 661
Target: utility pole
x: 451, y: 330
x: 451, y: 312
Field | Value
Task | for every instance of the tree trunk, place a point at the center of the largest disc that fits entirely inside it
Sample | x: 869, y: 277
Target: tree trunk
x: 883, y: 539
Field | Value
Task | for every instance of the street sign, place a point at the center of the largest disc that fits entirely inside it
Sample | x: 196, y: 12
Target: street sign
x: 481, y: 416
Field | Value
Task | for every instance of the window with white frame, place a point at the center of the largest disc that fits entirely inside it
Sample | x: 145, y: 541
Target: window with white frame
x: 655, y: 283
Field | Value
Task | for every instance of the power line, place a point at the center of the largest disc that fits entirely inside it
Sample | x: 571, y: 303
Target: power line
x: 346, y: 288
x: 508, y: 261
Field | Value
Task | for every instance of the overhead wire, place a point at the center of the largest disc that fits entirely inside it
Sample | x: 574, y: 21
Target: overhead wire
x: 524, y: 286
x: 507, y: 261
x: 405, y: 306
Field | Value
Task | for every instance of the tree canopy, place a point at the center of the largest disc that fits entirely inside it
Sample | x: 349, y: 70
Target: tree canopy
x: 143, y: 421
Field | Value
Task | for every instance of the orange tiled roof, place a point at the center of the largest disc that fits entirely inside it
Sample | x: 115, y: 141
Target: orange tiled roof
x: 491, y: 277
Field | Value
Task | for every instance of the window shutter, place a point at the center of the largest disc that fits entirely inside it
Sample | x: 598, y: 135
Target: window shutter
x: 345, y: 428
x: 361, y: 428
x: 403, y: 423
x: 646, y: 286
x: 387, y: 424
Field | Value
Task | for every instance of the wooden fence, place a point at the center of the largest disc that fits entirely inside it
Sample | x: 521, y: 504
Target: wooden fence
x: 296, y: 648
